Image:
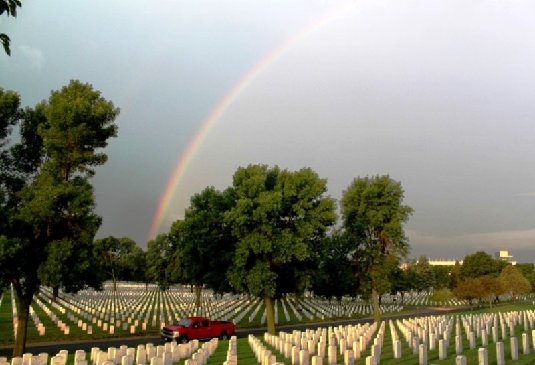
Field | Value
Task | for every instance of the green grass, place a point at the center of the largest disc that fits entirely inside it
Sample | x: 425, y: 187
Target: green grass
x: 245, y: 354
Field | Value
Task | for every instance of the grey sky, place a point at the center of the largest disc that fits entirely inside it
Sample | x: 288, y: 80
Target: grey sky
x: 438, y: 94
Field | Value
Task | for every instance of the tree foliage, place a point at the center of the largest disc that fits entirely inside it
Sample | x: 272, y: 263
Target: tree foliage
x: 47, y: 200
x: 10, y: 8
x: 159, y: 268
x: 373, y: 216
x: 469, y: 289
x: 425, y: 275
x: 480, y: 263
x: 491, y: 288
x: 335, y: 276
x: 278, y: 220
x: 528, y: 270
x: 203, y: 243
x: 120, y: 259
x: 513, y: 282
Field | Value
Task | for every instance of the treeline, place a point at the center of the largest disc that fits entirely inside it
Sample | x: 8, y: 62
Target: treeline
x: 272, y: 232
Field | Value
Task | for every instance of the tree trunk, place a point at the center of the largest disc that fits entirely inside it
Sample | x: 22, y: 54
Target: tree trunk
x: 114, y: 279
x: 375, y: 297
x: 55, y: 293
x: 198, y: 292
x: 270, y: 316
x: 23, y: 313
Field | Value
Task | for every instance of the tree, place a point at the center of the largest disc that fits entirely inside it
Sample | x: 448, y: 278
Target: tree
x: 403, y: 281
x: 10, y: 8
x: 203, y: 242
x: 335, y: 275
x: 479, y: 264
x: 442, y: 275
x: 278, y: 220
x: 513, y: 282
x: 47, y: 200
x: 491, y: 287
x: 442, y: 295
x: 425, y: 274
x: 455, y: 275
x: 119, y: 258
x: 469, y: 289
x: 159, y: 253
x: 528, y: 270
x: 373, y: 216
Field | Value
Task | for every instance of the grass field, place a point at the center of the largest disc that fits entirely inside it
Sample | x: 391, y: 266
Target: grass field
x: 246, y: 355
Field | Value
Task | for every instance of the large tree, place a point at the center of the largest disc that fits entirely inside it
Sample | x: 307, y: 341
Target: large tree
x: 373, y: 216
x: 480, y: 263
x: 47, y: 199
x: 335, y: 275
x: 425, y: 274
x: 513, y: 282
x: 279, y: 219
x: 10, y: 8
x: 159, y: 261
x: 203, y: 242
x: 119, y: 259
x: 470, y: 289
x: 491, y: 287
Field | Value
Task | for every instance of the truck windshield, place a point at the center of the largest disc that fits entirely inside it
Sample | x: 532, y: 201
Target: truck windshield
x: 184, y: 322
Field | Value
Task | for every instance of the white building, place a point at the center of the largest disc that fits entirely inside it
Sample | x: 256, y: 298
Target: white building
x: 444, y: 262
x: 504, y: 256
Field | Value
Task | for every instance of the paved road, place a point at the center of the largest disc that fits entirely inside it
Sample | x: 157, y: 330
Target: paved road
x: 53, y: 348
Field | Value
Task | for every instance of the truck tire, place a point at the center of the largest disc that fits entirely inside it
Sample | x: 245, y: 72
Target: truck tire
x: 182, y: 339
x: 224, y: 335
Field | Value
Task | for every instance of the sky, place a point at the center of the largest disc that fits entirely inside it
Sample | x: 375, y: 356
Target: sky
x: 440, y: 95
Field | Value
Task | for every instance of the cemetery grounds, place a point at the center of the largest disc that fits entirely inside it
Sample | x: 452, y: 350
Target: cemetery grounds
x: 139, y: 310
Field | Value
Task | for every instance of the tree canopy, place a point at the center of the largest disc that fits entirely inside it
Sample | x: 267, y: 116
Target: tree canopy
x: 335, y: 275
x: 513, y: 282
x: 10, y: 8
x: 47, y: 200
x: 120, y: 259
x: 203, y: 243
x: 278, y: 219
x: 373, y: 216
x: 480, y: 263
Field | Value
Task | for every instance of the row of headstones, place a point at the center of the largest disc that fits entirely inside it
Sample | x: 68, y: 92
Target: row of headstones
x: 311, y: 308
x: 37, y: 322
x: 429, y: 339
x: 432, y: 329
x: 59, y: 319
x: 76, y: 309
x: 110, y: 327
x: 276, y: 312
x: 170, y: 318
x: 105, y: 322
x: 144, y: 354
x: 348, y: 342
x: 349, y: 308
x: 93, y: 312
x: 483, y: 355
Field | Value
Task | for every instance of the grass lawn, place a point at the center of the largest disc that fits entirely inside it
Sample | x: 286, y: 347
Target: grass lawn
x: 246, y: 356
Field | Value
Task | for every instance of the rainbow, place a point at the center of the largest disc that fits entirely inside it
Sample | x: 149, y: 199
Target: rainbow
x: 223, y: 104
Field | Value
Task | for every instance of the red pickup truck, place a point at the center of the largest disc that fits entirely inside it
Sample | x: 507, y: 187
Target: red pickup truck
x: 197, y: 328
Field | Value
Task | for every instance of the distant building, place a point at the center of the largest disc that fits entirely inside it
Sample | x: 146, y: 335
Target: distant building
x: 504, y: 256
x: 444, y: 262
x: 432, y: 262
